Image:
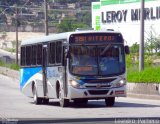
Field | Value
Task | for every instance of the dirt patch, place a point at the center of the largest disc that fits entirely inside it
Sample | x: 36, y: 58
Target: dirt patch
x: 11, y: 36
x: 9, y: 72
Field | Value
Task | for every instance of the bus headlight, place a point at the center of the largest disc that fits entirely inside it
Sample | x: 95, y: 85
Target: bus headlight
x: 120, y: 83
x: 75, y: 84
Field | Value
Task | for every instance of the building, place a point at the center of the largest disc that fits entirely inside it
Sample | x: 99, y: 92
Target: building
x: 124, y: 16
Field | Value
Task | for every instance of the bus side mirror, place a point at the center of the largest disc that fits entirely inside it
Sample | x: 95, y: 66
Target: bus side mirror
x: 127, y: 51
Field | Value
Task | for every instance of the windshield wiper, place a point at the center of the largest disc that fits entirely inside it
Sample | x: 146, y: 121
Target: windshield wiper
x: 106, y: 48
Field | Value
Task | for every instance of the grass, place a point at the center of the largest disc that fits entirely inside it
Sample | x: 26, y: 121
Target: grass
x: 148, y: 75
x: 13, y: 66
x: 12, y: 50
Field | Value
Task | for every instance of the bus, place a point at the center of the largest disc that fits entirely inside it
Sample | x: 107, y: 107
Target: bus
x: 74, y: 67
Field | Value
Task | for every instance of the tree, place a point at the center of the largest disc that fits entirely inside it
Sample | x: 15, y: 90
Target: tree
x: 157, y: 44
x: 150, y: 42
x: 65, y: 25
x: 86, y: 18
x: 70, y: 24
x: 134, y: 48
x: 79, y: 25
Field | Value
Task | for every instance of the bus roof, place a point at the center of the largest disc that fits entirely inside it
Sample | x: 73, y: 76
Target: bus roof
x: 42, y: 39
x: 59, y: 36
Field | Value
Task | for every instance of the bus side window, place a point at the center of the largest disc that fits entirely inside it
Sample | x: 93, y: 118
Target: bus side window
x: 52, y: 53
x: 39, y: 54
x: 34, y: 53
x: 59, y: 52
x: 23, y: 56
x: 28, y: 55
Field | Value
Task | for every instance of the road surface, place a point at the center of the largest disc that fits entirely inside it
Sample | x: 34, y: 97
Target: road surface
x: 13, y: 104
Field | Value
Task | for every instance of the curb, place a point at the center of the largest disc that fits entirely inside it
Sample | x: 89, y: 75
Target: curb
x: 143, y: 96
x: 144, y: 90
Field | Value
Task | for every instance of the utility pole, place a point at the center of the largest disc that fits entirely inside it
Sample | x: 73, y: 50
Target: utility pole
x: 46, y: 16
x: 141, y: 49
x: 151, y: 41
x: 16, y: 35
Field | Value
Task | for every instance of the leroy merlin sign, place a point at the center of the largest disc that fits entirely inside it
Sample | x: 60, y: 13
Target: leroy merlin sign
x: 121, y: 15
x: 118, y: 11
x: 124, y: 16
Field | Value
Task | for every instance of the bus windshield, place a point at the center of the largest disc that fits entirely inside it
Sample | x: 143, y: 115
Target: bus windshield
x: 97, y: 60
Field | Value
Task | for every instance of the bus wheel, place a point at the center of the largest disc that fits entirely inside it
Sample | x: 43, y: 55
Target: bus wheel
x: 63, y: 102
x: 36, y: 99
x: 110, y: 101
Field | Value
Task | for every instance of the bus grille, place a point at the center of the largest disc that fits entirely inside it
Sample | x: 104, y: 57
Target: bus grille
x: 99, y: 80
x: 98, y: 92
x: 103, y: 86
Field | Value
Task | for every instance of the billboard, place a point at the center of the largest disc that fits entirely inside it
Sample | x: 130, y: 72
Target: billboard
x: 124, y: 16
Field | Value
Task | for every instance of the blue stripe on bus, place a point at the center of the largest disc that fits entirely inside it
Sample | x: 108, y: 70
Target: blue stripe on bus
x: 27, y: 73
x: 82, y: 80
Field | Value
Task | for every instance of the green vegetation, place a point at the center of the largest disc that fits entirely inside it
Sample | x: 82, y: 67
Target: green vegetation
x: 151, y: 72
x: 56, y: 12
x: 10, y: 65
x: 12, y: 50
x: 149, y: 75
x: 70, y: 24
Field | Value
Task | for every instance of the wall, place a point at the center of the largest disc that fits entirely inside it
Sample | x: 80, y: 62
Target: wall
x: 144, y: 90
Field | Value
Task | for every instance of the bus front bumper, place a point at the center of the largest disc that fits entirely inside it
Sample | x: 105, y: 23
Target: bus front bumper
x: 95, y: 93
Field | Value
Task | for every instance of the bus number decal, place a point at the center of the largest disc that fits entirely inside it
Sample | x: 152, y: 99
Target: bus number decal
x: 81, y: 39
x: 82, y: 69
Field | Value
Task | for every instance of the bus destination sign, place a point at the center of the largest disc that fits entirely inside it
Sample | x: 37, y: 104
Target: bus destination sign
x: 95, y: 38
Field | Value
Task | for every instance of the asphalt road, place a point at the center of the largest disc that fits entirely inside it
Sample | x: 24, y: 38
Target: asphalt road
x: 13, y: 104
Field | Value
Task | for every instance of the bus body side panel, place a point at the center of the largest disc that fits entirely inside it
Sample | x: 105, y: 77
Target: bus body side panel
x: 54, y: 74
x: 29, y: 76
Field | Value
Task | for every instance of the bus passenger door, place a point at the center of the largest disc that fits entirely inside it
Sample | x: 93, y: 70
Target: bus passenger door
x: 44, y: 70
x: 65, y: 84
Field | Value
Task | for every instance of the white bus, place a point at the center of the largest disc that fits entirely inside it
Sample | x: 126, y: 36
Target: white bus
x: 74, y: 66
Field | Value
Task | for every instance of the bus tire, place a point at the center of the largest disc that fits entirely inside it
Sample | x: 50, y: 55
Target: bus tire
x: 63, y: 102
x: 110, y: 101
x: 36, y: 99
